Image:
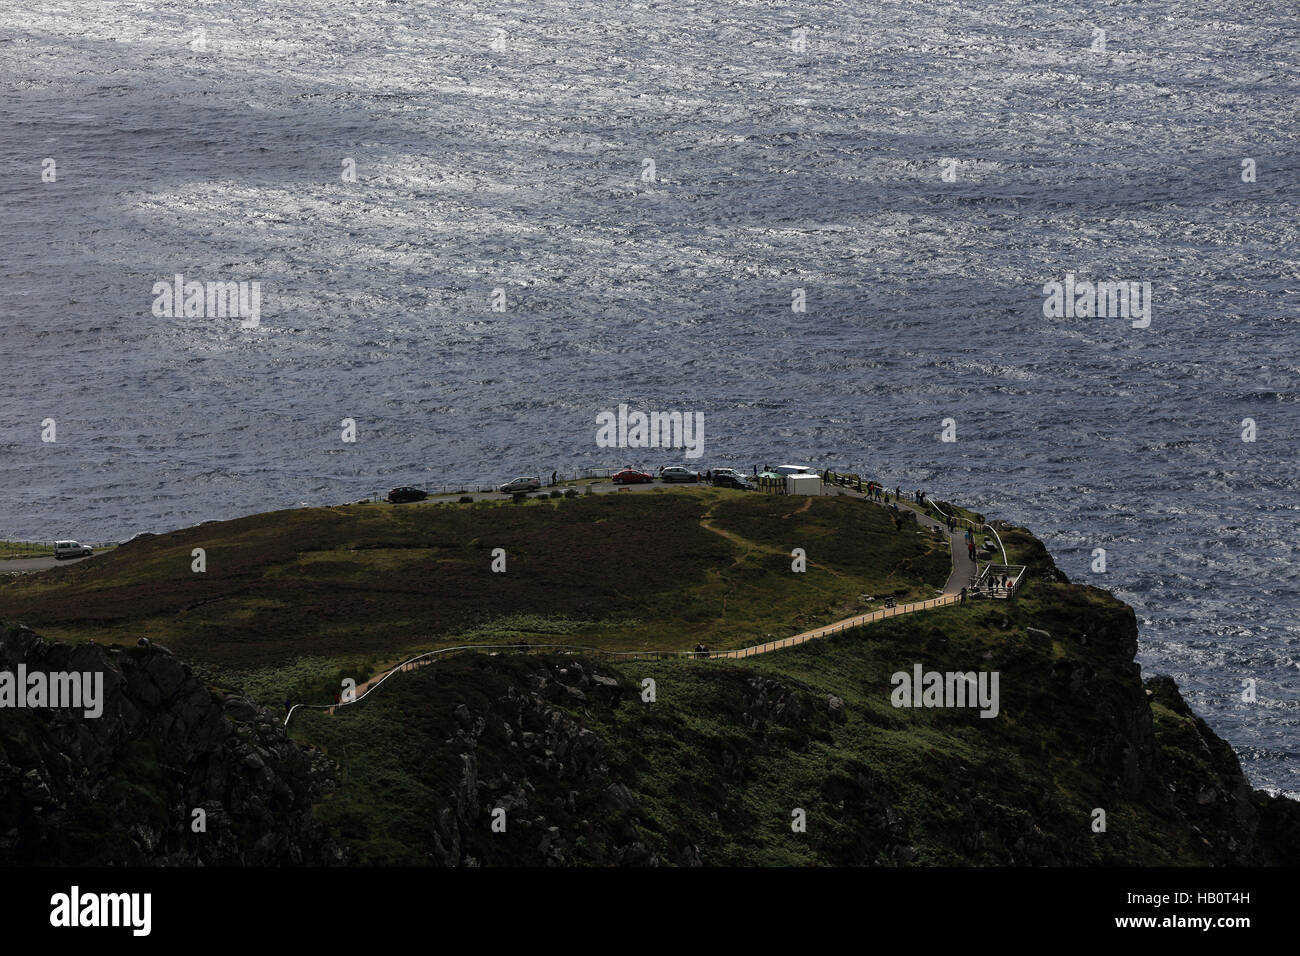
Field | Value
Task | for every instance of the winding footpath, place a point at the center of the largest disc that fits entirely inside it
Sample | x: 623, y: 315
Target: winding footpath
x: 964, y: 572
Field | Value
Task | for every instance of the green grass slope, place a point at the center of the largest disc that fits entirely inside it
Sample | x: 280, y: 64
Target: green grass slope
x: 367, y: 583
x: 711, y: 771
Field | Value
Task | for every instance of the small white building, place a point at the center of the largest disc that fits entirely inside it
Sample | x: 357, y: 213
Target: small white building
x: 803, y: 484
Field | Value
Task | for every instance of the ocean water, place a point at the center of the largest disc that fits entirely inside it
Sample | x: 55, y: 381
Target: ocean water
x: 504, y: 146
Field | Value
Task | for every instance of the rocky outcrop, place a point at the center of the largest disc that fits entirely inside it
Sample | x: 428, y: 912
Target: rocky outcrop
x: 545, y: 745
x: 171, y: 773
x: 1209, y: 794
x: 529, y: 768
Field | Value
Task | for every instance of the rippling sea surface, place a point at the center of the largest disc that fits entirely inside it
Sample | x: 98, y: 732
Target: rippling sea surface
x: 503, y: 146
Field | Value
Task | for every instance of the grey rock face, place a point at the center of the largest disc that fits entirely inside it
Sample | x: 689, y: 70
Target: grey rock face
x: 124, y: 788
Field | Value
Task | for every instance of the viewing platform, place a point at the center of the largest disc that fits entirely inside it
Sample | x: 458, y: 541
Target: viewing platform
x: 998, y: 581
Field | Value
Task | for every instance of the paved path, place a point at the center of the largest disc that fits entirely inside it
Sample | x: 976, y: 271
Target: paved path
x: 36, y: 564
x: 964, y: 570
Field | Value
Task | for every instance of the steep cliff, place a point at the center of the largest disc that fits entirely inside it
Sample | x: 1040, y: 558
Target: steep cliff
x: 122, y: 788
x: 581, y: 769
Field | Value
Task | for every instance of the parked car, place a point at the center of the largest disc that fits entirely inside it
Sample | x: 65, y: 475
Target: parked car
x: 733, y: 480
x: 524, y: 483
x: 71, y: 549
x: 678, y: 473
x: 404, y: 494
x: 630, y: 476
x: 794, y: 470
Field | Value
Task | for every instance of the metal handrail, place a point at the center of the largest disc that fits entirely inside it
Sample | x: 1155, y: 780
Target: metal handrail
x: 983, y: 525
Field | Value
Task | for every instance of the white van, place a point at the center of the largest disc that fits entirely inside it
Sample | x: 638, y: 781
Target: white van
x: 71, y: 549
x: 794, y: 470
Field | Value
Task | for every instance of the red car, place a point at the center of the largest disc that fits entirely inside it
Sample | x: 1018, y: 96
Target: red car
x: 630, y: 476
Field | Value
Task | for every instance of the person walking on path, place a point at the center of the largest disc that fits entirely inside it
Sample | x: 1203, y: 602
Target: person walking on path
x: 963, y: 595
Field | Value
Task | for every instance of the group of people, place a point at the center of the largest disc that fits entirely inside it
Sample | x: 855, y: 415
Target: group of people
x: 876, y: 492
x: 701, y: 650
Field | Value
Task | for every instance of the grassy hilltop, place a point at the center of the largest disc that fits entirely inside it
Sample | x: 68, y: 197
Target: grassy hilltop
x: 369, y: 583
x: 587, y: 770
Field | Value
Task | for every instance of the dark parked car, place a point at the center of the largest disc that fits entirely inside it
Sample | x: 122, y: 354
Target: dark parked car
x: 730, y: 480
x: 404, y: 494
x: 630, y: 476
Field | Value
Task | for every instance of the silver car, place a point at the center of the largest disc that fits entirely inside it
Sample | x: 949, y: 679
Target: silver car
x: 71, y: 549
x: 525, y: 483
x: 678, y: 473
